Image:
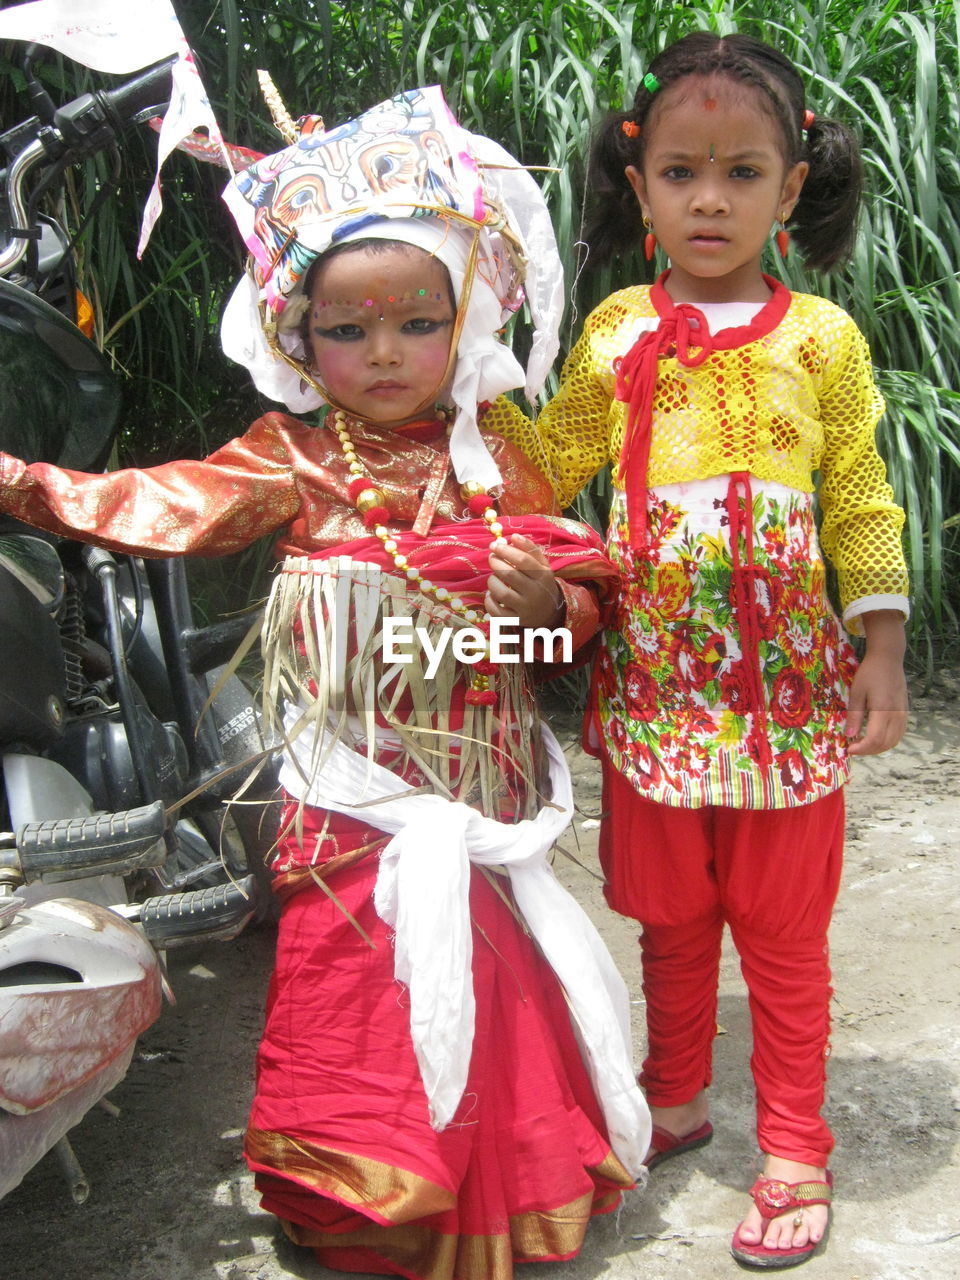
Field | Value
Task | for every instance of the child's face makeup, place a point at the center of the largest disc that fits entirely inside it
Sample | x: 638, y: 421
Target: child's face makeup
x: 380, y: 329
x: 713, y: 183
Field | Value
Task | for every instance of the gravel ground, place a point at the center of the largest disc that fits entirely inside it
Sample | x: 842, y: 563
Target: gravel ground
x: 172, y: 1200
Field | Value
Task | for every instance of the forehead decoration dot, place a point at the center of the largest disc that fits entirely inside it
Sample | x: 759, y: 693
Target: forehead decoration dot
x: 415, y: 296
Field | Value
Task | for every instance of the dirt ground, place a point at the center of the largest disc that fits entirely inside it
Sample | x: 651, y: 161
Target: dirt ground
x: 171, y: 1199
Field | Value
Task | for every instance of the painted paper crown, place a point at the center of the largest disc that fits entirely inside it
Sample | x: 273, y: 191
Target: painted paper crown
x: 405, y: 165
x: 405, y: 158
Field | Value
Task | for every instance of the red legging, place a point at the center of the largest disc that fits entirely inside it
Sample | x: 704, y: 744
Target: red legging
x: 773, y: 876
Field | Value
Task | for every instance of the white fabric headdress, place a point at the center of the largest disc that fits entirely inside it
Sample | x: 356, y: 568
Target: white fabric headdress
x: 405, y: 171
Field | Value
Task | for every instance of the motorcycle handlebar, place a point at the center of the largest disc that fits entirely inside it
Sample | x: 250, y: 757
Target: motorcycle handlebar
x: 89, y: 124
x: 143, y: 94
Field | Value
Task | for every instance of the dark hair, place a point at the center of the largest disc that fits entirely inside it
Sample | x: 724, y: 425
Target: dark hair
x: 824, y: 221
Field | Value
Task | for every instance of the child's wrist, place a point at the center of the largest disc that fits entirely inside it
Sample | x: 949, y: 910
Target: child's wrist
x: 884, y: 630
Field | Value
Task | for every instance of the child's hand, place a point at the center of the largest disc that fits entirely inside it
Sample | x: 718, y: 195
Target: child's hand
x: 878, y: 694
x: 522, y: 585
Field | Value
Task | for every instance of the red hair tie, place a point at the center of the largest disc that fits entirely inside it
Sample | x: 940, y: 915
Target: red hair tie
x: 631, y: 128
x: 808, y: 119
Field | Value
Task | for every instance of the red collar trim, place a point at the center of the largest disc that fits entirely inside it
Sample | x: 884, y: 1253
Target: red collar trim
x: 764, y: 322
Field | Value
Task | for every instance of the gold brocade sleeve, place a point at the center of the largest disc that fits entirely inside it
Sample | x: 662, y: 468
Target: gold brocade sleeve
x: 209, y: 507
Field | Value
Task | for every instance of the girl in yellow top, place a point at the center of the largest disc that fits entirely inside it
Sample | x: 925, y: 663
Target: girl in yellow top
x: 726, y: 698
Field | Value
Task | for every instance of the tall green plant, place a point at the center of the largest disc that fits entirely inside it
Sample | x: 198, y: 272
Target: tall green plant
x: 893, y: 76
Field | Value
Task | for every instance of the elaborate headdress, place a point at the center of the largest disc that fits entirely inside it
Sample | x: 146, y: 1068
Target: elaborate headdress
x: 404, y: 170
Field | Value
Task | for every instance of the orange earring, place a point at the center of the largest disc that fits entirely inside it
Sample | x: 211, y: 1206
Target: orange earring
x: 783, y: 237
x: 649, y: 240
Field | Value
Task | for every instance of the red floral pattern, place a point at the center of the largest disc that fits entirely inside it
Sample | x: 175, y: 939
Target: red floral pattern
x: 640, y: 693
x: 791, y: 701
x: 676, y: 692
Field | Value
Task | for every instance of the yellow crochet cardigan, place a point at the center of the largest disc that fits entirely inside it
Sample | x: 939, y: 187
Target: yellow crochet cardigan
x: 791, y: 400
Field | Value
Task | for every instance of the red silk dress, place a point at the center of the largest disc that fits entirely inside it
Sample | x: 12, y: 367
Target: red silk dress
x: 339, y: 1135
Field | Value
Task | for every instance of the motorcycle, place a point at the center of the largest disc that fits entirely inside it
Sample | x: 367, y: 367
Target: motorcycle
x: 114, y: 704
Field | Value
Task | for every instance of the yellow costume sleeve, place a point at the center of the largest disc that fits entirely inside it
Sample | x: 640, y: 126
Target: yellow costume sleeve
x: 861, y: 521
x: 569, y: 441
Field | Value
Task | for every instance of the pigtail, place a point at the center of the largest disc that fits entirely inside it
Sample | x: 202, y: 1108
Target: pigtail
x: 613, y: 216
x: 824, y: 221
x: 614, y: 223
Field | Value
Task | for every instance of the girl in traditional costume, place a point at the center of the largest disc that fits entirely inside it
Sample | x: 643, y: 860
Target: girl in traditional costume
x: 727, y: 699
x: 444, y: 1083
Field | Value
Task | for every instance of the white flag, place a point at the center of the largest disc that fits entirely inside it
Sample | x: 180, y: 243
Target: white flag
x: 107, y: 35
x: 122, y: 36
x: 189, y: 110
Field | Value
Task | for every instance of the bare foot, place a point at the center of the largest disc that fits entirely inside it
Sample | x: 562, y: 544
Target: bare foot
x: 795, y: 1228
x: 682, y: 1120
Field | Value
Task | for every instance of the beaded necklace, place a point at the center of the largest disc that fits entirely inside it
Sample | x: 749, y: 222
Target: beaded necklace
x: 371, y: 503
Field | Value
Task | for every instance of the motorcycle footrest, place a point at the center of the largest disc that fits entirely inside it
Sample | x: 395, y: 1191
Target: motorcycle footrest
x: 219, y: 912
x: 102, y: 843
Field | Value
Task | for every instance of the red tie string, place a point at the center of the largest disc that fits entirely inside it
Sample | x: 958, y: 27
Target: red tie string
x: 682, y: 327
x: 743, y: 583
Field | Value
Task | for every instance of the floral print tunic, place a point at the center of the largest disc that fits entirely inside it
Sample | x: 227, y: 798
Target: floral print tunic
x: 724, y: 682
x: 724, y: 674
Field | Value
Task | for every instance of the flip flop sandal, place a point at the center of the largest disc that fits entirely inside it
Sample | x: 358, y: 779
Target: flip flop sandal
x: 774, y: 1198
x: 666, y: 1145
